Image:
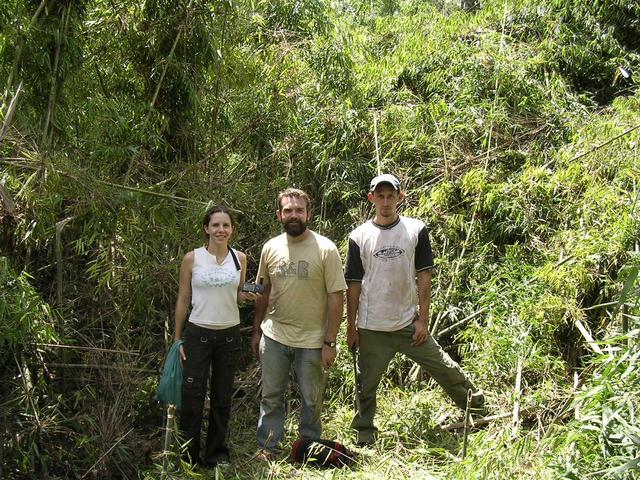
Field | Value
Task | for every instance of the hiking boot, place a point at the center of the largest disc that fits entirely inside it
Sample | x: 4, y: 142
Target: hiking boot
x: 221, y: 458
x: 478, y: 407
x: 366, y: 439
x: 263, y: 455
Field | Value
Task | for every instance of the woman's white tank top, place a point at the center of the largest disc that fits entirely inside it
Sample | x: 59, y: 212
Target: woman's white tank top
x: 214, y: 291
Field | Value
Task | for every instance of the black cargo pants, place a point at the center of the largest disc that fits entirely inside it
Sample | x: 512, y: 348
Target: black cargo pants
x: 216, y: 351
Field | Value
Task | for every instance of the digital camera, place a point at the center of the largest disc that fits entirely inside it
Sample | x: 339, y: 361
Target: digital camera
x: 252, y: 287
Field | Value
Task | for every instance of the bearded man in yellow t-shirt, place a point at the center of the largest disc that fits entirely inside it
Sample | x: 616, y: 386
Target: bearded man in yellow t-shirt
x: 296, y: 319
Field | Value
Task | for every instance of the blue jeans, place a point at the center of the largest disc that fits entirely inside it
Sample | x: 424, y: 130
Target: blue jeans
x: 276, y: 360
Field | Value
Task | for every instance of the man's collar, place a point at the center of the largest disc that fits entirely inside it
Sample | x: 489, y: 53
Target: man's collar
x: 386, y: 227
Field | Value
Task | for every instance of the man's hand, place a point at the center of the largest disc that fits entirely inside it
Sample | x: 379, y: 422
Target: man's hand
x: 248, y: 297
x: 353, y: 338
x: 255, y: 343
x: 328, y: 356
x: 420, y: 334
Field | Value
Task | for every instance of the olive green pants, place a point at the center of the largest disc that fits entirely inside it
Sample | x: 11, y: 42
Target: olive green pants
x: 376, y: 351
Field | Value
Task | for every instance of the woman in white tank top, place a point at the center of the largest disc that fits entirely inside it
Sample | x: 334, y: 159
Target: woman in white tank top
x: 211, y: 278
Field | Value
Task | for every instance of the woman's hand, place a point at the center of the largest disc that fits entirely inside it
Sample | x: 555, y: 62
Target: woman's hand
x: 183, y: 357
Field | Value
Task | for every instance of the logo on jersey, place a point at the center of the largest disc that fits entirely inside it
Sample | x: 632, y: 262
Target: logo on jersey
x: 291, y: 269
x: 389, y: 253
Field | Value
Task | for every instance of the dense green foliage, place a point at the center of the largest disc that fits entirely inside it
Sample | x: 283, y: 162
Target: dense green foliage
x: 515, y: 129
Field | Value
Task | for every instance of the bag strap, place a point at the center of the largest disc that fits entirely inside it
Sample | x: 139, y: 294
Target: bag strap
x: 235, y: 258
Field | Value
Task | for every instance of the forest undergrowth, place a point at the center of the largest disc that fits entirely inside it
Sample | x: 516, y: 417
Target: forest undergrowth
x: 514, y: 126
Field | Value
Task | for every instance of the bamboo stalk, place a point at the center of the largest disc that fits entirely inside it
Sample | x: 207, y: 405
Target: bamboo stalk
x: 25, y: 374
x: 604, y: 144
x: 103, y: 367
x: 106, y: 453
x: 515, y: 421
x: 156, y: 194
x: 114, y: 185
x: 587, y: 336
x: 3, y: 426
x: 576, y: 384
x: 233, y: 140
x: 458, y: 324
x: 59, y: 226
x: 445, y: 159
x: 90, y: 349
x: 54, y: 82
x: 167, y: 439
x: 8, y: 204
x: 600, y: 305
x: 562, y: 261
x: 173, y: 49
x: 9, y: 115
x: 434, y: 327
x: 159, y: 84
x: 467, y: 416
x: 218, y: 64
x: 16, y: 62
x: 375, y: 138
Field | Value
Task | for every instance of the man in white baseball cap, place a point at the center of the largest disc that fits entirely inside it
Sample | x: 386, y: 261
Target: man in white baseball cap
x: 385, y: 256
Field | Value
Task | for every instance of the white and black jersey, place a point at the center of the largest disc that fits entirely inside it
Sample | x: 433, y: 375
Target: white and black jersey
x: 385, y: 259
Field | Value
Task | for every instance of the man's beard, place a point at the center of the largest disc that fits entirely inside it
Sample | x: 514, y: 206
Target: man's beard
x: 295, y: 228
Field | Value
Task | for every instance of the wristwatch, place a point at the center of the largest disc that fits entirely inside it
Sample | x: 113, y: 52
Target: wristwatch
x: 330, y: 344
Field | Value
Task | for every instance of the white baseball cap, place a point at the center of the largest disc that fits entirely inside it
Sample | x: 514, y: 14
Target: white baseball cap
x: 385, y: 178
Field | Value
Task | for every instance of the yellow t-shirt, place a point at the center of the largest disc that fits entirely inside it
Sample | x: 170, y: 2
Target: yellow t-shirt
x: 301, y: 274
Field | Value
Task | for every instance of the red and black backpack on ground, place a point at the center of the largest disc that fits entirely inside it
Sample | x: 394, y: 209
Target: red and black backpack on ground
x: 322, y: 453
